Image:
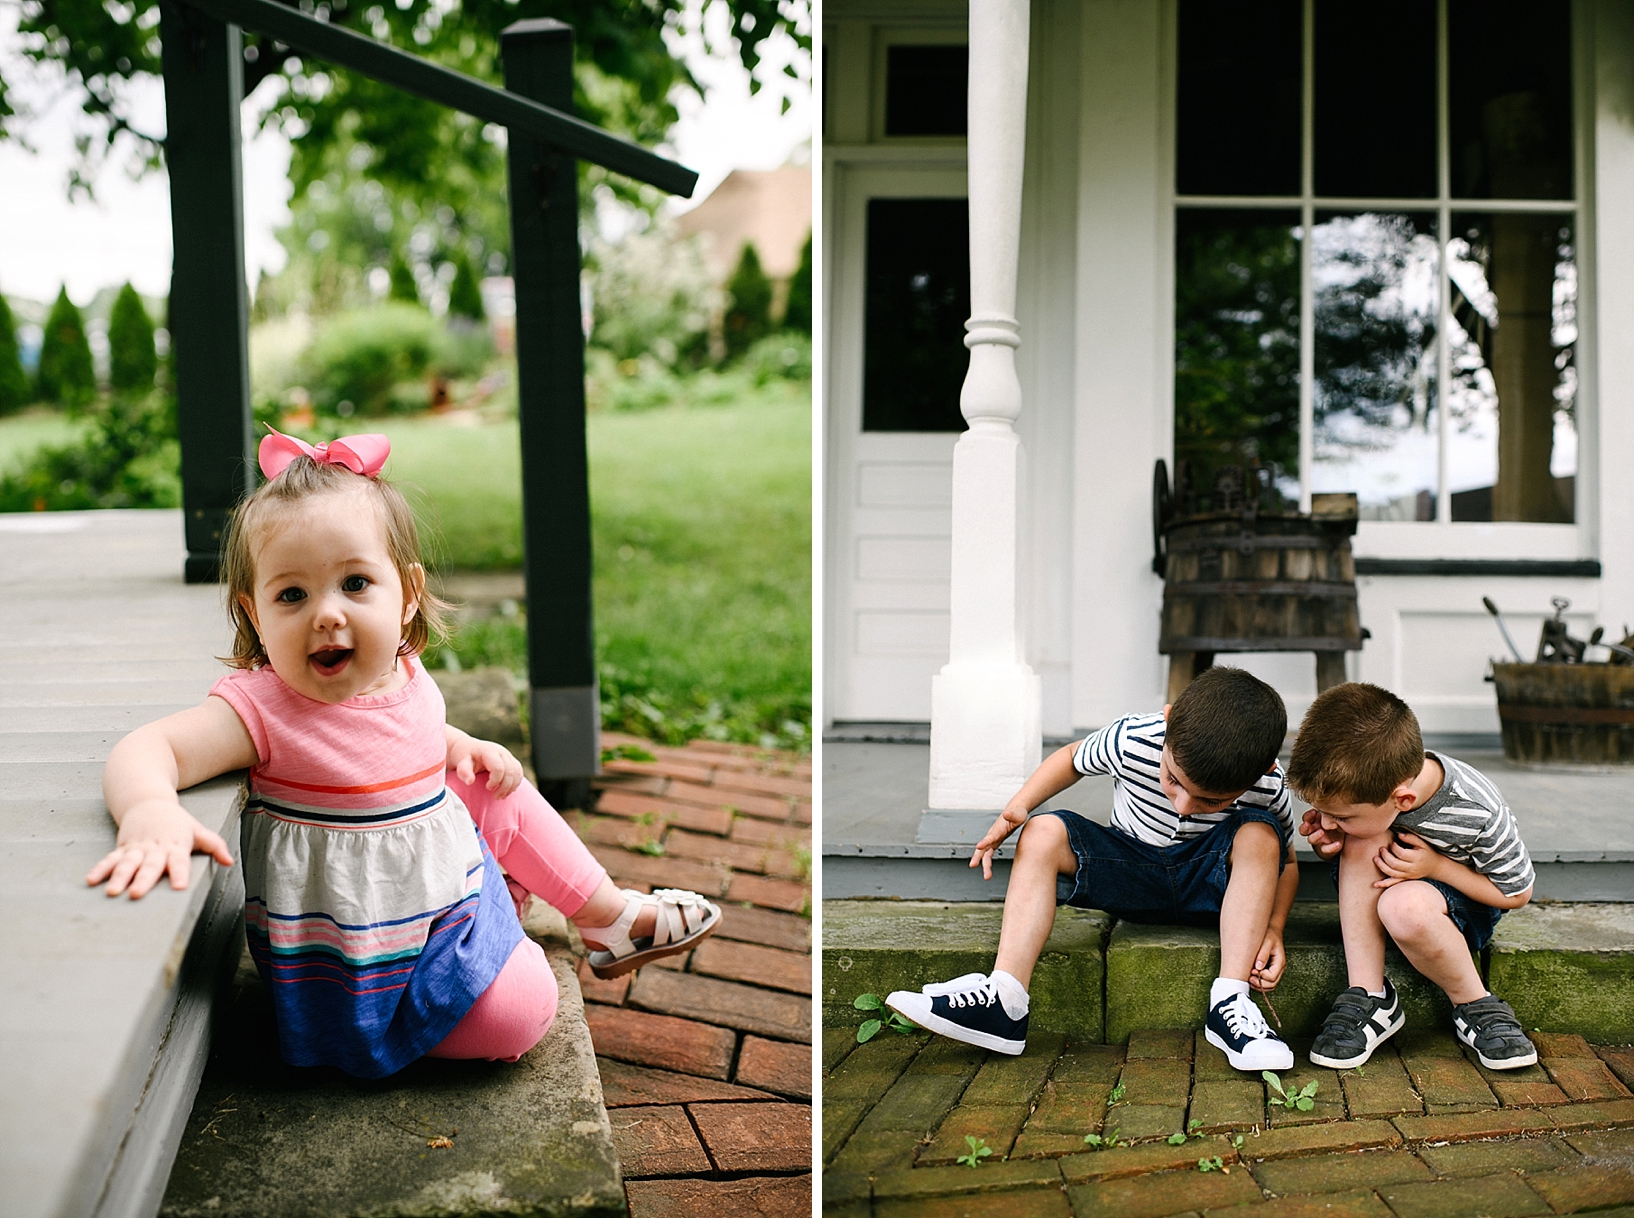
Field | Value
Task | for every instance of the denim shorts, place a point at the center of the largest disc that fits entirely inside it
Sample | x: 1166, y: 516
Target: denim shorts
x: 1182, y: 883
x: 1474, y: 921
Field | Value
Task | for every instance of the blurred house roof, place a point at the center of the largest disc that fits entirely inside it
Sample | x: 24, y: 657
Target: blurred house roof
x: 771, y: 208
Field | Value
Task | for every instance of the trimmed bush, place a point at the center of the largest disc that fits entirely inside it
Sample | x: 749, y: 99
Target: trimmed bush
x: 132, y: 358
x: 749, y: 316
x: 66, y: 375
x: 403, y: 287
x: 13, y: 381
x: 651, y: 296
x: 359, y: 358
x: 797, y: 313
x: 464, y: 294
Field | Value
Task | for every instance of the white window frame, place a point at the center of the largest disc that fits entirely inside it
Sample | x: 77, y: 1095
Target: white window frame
x: 1442, y: 537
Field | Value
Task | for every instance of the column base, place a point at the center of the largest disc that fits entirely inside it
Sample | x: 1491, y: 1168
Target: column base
x: 565, y: 726
x: 986, y: 733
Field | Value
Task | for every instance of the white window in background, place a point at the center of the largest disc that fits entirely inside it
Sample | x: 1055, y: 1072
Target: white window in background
x: 1426, y: 148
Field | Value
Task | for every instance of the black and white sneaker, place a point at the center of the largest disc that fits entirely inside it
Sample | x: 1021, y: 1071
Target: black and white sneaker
x: 1488, y: 1025
x: 1236, y: 1027
x: 1358, y: 1024
x: 971, y: 1012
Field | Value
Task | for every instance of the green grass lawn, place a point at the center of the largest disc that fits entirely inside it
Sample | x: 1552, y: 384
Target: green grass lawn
x: 31, y: 429
x: 701, y: 522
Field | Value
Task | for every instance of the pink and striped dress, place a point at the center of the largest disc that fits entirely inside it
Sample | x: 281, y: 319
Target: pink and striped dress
x: 374, y: 911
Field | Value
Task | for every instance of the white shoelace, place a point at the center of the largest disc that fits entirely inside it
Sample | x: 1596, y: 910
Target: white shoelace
x: 985, y: 994
x: 1243, y: 1018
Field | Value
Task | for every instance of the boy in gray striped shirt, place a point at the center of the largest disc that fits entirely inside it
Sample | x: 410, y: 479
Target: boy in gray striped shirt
x: 1424, y: 848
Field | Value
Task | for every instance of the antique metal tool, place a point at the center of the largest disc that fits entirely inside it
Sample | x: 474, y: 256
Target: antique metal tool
x: 1555, y: 643
x: 1493, y: 610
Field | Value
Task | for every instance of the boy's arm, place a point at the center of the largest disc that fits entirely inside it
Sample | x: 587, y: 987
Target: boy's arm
x: 1410, y: 857
x: 140, y: 781
x: 1055, y: 774
x: 1272, y: 958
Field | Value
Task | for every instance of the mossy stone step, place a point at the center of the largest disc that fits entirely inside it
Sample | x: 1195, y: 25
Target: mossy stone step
x: 1564, y: 967
x: 874, y: 947
x: 266, y: 1140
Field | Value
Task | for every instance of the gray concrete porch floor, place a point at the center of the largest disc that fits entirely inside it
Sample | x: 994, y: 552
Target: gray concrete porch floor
x: 104, y: 1015
x: 1579, y: 826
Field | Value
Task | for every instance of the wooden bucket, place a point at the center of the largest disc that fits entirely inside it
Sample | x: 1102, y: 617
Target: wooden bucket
x: 1283, y: 583
x: 1567, y: 714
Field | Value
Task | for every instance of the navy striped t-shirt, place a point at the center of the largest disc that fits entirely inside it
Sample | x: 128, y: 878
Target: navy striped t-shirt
x: 1130, y: 749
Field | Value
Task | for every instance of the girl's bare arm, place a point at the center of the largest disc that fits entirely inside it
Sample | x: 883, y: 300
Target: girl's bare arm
x: 140, y: 781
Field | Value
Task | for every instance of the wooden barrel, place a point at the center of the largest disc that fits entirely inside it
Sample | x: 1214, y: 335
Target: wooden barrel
x: 1567, y: 714
x: 1273, y: 583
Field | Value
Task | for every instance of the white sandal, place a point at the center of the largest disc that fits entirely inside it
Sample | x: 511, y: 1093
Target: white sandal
x: 683, y: 920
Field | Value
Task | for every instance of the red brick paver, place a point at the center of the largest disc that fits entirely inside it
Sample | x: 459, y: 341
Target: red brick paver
x: 1421, y: 1134
x: 706, y: 1062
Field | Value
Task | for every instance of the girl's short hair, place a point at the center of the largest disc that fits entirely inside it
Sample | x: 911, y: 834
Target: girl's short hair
x: 305, y: 478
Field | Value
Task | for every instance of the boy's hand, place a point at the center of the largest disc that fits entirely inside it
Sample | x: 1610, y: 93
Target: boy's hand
x: 467, y: 756
x: 1012, y: 818
x: 154, y: 837
x: 1326, y: 842
x: 1269, y: 962
x: 1407, y: 858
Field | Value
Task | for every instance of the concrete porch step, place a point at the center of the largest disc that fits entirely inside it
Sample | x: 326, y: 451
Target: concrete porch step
x: 266, y: 1140
x: 1565, y: 968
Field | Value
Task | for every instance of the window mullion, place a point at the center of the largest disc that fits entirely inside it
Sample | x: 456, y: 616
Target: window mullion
x: 1443, y: 321
x: 1307, y: 290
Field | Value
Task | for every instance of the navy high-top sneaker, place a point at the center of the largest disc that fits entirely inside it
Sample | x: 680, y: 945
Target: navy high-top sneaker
x: 968, y: 1009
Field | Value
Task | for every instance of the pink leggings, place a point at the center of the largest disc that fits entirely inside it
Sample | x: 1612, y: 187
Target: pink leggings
x: 542, y: 856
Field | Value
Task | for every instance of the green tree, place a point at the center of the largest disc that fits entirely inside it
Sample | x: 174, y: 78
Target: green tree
x: 749, y: 315
x: 132, y: 359
x: 403, y: 286
x: 13, y: 383
x: 464, y: 294
x: 66, y: 375
x: 626, y: 80
x: 797, y: 313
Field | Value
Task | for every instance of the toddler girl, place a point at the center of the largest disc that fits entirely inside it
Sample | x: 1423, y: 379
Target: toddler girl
x: 375, y: 909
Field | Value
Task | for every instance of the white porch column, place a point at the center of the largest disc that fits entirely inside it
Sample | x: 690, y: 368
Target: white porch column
x: 986, y: 705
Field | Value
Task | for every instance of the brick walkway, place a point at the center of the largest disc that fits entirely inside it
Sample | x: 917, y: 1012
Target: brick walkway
x: 706, y: 1059
x: 1420, y: 1132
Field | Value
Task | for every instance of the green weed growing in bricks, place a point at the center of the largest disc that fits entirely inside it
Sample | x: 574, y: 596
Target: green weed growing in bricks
x: 1116, y: 1093
x: 626, y: 752
x: 871, y: 1027
x: 1213, y: 1164
x: 979, y: 1150
x: 1179, y: 1139
x: 1304, y: 1099
x: 1097, y: 1141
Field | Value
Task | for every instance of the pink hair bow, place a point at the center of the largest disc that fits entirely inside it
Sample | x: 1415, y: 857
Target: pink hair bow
x: 364, y: 454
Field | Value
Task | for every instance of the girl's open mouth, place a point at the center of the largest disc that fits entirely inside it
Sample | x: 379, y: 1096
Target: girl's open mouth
x: 330, y: 660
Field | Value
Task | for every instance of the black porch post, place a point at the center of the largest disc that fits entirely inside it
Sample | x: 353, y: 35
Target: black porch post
x: 564, y: 702
x: 209, y: 309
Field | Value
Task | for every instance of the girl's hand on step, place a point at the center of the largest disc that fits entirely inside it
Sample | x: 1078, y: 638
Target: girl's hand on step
x: 468, y: 756
x: 156, y: 836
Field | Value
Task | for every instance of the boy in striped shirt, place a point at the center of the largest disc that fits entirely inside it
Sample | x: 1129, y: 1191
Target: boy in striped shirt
x: 1424, y: 848
x: 1201, y: 834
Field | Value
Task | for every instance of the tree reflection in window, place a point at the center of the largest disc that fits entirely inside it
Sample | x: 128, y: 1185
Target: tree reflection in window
x: 1512, y: 444
x: 1374, y: 278
x: 1236, y: 381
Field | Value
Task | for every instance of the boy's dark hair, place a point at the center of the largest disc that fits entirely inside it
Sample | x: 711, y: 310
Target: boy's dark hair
x: 1358, y: 743
x: 1225, y: 729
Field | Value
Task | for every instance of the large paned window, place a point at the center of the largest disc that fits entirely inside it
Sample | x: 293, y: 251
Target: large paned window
x: 1375, y: 268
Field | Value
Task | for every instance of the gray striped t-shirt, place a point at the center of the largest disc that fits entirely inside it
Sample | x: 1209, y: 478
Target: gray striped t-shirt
x: 1131, y: 750
x: 1468, y: 821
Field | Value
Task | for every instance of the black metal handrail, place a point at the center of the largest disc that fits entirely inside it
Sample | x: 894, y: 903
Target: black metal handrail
x: 433, y: 81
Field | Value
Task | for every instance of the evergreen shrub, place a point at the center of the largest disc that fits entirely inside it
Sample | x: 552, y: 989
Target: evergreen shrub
x: 749, y: 316
x: 797, y: 312
x: 14, y: 387
x: 132, y: 357
x: 66, y: 375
